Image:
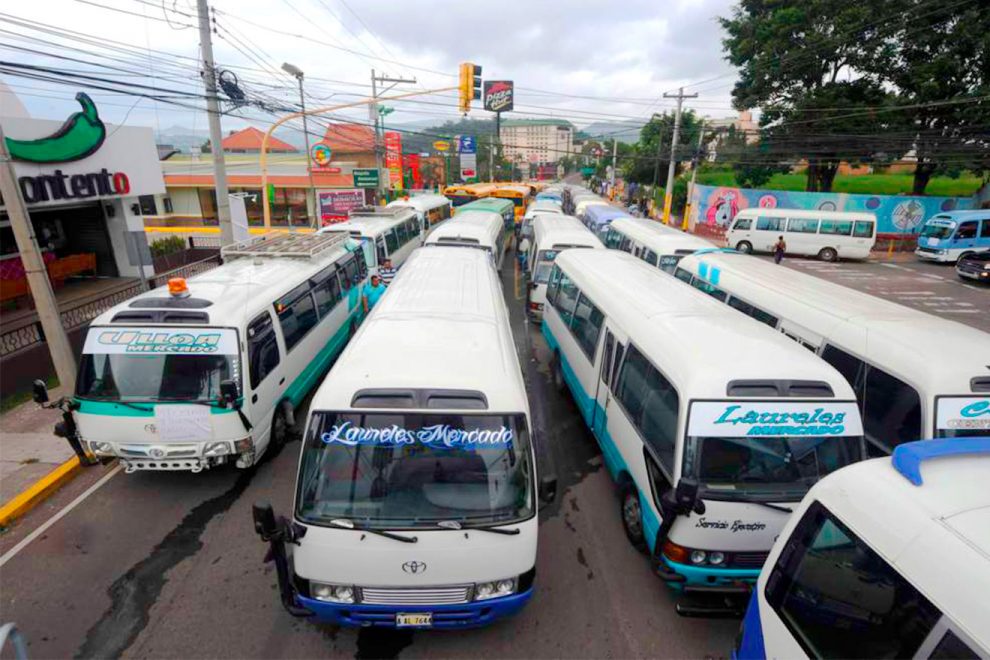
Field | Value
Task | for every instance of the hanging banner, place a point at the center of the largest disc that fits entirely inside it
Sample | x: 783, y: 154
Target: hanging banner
x: 393, y: 158
x: 336, y: 205
x: 498, y: 95
x: 412, y: 164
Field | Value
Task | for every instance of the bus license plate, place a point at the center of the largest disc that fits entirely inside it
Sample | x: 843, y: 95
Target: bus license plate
x: 420, y: 620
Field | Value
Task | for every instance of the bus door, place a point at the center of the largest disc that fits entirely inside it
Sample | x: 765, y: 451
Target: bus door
x: 608, y: 367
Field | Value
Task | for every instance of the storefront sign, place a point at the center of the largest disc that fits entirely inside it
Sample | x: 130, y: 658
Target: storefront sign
x: 969, y: 413
x: 469, y: 166
x: 213, y: 341
x: 365, y: 177
x: 441, y: 145
x: 773, y: 419
x: 321, y: 155
x: 466, y: 144
x: 498, y: 95
x: 336, y: 205
x: 439, y: 436
x: 393, y: 158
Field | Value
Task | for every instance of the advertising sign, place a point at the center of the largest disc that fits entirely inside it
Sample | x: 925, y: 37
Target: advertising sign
x: 466, y: 144
x: 469, y: 166
x: 768, y: 419
x: 365, y: 177
x: 963, y: 413
x: 321, y: 155
x: 393, y: 158
x: 441, y: 145
x: 162, y: 341
x: 335, y: 205
x: 498, y: 95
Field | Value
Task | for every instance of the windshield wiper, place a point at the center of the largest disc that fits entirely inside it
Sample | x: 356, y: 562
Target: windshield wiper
x: 453, y: 524
x: 117, y: 401
x: 769, y: 505
x: 342, y: 523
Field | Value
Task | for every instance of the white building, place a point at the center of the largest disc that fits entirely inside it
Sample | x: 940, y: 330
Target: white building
x: 537, y: 140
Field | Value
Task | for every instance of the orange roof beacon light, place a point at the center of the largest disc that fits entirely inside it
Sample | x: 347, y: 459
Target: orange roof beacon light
x: 177, y: 287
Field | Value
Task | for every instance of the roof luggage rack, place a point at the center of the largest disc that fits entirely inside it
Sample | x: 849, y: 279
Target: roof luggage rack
x: 379, y: 211
x: 281, y: 244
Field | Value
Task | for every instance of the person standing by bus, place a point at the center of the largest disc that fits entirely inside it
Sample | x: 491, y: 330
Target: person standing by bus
x: 523, y: 250
x: 372, y: 292
x: 387, y: 272
x: 778, y: 249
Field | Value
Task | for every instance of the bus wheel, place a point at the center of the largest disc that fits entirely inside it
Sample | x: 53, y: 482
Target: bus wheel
x: 280, y: 432
x: 557, y: 372
x: 745, y: 247
x: 828, y: 254
x: 632, y: 516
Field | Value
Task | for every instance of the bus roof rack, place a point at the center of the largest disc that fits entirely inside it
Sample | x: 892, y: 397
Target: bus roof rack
x: 282, y: 244
x: 908, y: 457
x: 379, y: 210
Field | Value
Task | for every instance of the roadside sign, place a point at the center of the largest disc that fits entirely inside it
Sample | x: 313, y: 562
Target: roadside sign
x: 365, y: 177
x: 335, y: 205
x: 441, y: 145
x: 587, y: 171
x: 498, y: 95
x: 466, y: 144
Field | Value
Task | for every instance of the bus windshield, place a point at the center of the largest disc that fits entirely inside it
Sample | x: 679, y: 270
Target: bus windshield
x: 544, y: 262
x: 769, y: 449
x: 157, y: 364
x: 414, y: 470
x: 461, y: 200
x: 938, y: 232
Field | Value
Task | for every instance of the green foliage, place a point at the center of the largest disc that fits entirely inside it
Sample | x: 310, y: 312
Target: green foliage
x: 866, y: 184
x: 648, y: 160
x: 167, y: 245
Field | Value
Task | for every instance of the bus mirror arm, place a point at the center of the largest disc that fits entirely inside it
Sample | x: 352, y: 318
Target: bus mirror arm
x: 229, y: 393
x: 276, y: 532
x: 686, y: 497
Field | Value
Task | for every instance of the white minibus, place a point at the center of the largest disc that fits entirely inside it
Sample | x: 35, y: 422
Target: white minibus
x: 477, y: 229
x: 394, y: 231
x: 914, y: 374
x: 652, y: 241
x: 431, y: 209
x: 713, y: 426
x: 583, y: 203
x: 416, y: 496
x: 829, y: 235
x: 551, y: 235
x: 210, y: 371
x: 949, y: 236
x: 889, y: 558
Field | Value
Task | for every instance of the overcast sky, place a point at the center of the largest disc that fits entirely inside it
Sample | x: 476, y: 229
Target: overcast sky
x: 625, y: 55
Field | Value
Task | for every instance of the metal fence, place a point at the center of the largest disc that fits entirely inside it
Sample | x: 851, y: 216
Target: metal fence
x: 27, y: 332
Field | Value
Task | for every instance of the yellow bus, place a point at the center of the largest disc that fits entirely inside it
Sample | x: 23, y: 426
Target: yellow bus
x: 520, y: 194
x: 464, y: 193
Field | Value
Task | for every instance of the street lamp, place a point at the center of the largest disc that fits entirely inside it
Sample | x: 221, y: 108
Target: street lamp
x: 297, y: 73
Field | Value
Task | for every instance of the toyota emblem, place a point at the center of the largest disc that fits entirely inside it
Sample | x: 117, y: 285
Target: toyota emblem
x: 157, y: 452
x: 150, y: 428
x: 414, y: 567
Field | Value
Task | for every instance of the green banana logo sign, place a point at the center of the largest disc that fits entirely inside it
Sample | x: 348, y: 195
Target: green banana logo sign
x: 80, y: 136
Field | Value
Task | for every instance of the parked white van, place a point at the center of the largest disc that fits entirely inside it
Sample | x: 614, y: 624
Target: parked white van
x: 210, y: 371
x: 475, y: 229
x: 889, y: 558
x: 432, y: 209
x: 829, y: 235
x: 652, y: 241
x: 395, y: 232
x: 551, y: 235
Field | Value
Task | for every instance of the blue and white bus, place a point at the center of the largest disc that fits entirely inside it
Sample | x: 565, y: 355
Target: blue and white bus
x: 948, y: 236
x: 713, y: 426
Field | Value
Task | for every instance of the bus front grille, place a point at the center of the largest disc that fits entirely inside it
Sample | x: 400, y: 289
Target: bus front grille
x: 425, y: 596
x: 749, y: 559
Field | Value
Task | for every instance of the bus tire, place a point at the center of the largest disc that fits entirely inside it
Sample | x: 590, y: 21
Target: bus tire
x: 631, y: 512
x: 280, y: 431
x: 557, y: 372
x: 828, y: 254
x: 745, y: 247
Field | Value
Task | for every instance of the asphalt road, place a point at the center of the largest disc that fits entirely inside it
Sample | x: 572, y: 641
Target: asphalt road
x: 168, y: 565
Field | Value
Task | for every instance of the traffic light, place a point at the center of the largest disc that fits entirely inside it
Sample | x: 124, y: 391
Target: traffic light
x: 469, y: 86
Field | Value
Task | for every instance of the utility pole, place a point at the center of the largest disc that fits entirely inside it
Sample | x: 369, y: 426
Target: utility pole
x: 615, y: 151
x: 694, y: 177
x: 374, y: 116
x: 37, y: 275
x: 668, y: 191
x: 491, y: 162
x: 656, y: 165
x: 216, y: 135
x: 298, y: 74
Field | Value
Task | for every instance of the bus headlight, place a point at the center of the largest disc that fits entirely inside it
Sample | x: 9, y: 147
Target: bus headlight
x: 332, y: 593
x: 494, y: 589
x: 716, y: 558
x: 101, y: 448
x: 216, y: 448
x: 698, y: 556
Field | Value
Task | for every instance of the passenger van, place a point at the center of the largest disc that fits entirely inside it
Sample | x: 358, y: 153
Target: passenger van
x: 503, y: 207
x: 393, y: 231
x: 915, y: 375
x: 583, y: 203
x: 210, y: 372
x: 889, y: 558
x: 654, y: 242
x: 431, y: 209
x: 475, y: 229
x: 551, y: 235
x: 948, y: 236
x: 829, y: 235
x: 714, y: 427
x: 416, y: 496
x: 460, y: 194
x: 539, y: 207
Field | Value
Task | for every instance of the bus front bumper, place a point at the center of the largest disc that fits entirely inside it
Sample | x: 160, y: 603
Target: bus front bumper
x: 933, y: 254
x: 707, y: 580
x: 463, y: 615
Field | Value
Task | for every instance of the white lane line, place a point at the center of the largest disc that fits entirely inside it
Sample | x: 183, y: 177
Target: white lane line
x: 10, y: 554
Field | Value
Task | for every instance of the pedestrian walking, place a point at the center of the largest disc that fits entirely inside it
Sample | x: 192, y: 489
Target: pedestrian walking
x: 779, y: 248
x: 372, y: 292
x: 523, y: 252
x: 387, y: 272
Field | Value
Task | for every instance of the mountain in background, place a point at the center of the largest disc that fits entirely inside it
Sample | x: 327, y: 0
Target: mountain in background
x: 624, y: 131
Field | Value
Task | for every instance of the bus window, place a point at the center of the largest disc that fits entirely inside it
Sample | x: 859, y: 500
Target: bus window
x: 650, y: 402
x: 553, y: 284
x: 391, y: 241
x: 753, y: 311
x: 828, y: 579
x: 770, y: 224
x: 625, y: 244
x: 683, y: 275
x: 649, y: 256
x: 327, y: 295
x: 863, y: 229
x: 262, y: 349
x: 296, y: 314
x: 850, y: 367
x: 966, y: 230
x: 836, y: 227
x: 743, y: 224
x: 607, y: 357
x: 380, y: 250
x: 566, y: 299
x: 710, y: 289
x: 950, y: 646
x: 802, y: 225
x: 587, y: 326
x: 985, y: 229
x: 891, y: 410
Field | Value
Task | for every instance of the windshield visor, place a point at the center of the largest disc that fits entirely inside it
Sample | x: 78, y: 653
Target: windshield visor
x: 939, y: 231
x: 962, y: 417
x: 413, y: 470
x: 769, y: 448
x: 157, y: 364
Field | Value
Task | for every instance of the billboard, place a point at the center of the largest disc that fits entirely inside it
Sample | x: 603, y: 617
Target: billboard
x: 498, y: 95
x: 335, y: 205
x: 393, y: 158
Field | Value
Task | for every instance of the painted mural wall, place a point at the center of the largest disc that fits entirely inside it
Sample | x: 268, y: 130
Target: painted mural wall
x: 717, y: 206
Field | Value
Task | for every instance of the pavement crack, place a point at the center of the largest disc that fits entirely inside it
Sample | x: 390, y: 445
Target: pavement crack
x: 133, y: 594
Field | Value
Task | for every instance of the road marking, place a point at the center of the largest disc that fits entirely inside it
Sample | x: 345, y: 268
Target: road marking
x: 10, y: 554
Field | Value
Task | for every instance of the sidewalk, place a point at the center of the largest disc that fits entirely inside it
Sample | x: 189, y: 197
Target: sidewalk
x: 29, y: 451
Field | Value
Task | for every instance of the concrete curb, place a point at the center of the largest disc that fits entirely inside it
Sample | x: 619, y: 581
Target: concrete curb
x: 38, y: 491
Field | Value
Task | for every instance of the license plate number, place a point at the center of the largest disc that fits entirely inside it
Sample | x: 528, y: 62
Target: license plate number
x: 419, y: 620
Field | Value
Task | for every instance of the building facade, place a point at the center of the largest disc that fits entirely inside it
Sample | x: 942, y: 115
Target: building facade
x: 537, y: 140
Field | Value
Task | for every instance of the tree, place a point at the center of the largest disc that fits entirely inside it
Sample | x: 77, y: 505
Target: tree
x: 752, y: 165
x: 648, y: 160
x: 802, y: 62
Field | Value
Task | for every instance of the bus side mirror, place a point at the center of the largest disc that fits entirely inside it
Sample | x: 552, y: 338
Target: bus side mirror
x: 39, y: 391
x: 228, y: 392
x: 548, y: 488
x: 264, y: 519
x: 686, y: 497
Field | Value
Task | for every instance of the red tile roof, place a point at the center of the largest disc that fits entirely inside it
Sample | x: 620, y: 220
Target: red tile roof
x: 250, y: 140
x: 349, y: 139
